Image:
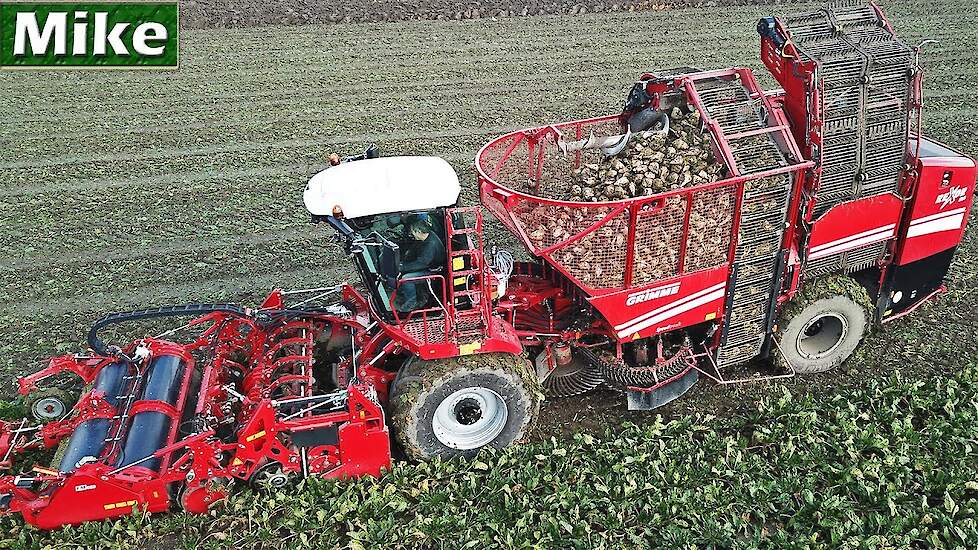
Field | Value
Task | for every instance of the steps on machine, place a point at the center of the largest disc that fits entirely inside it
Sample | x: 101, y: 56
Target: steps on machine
x: 471, y: 310
x: 738, y: 116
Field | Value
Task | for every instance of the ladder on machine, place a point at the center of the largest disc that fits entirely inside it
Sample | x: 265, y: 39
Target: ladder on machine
x: 731, y: 111
x: 469, y: 306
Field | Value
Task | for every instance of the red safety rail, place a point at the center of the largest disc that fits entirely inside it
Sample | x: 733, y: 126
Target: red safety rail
x: 605, y: 247
x: 427, y: 326
x: 460, y: 321
x: 592, y: 244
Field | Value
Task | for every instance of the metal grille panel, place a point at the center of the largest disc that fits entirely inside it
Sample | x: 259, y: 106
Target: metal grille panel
x: 849, y: 261
x: 597, y: 260
x: 866, y: 73
x: 658, y: 240
x: 546, y: 224
x: 711, y: 225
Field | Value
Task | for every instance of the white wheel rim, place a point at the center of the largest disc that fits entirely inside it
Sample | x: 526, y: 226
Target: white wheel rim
x: 48, y: 408
x: 469, y: 418
x: 828, y: 331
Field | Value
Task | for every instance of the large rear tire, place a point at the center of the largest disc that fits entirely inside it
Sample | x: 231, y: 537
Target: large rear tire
x: 460, y: 405
x: 824, y: 325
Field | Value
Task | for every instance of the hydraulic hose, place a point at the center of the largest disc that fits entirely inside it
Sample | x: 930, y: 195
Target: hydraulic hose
x: 101, y: 348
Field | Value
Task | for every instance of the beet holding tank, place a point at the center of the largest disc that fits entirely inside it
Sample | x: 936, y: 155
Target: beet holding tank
x: 89, y: 437
x: 149, y: 431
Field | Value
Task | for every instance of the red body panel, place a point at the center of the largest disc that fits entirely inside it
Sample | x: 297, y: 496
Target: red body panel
x: 937, y: 216
x: 855, y: 224
x: 665, y: 305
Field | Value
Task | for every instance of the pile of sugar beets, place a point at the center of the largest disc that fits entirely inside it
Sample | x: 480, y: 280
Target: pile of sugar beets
x: 652, y: 163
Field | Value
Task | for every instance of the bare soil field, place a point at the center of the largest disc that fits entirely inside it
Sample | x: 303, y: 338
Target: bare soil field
x: 130, y: 189
x: 245, y: 13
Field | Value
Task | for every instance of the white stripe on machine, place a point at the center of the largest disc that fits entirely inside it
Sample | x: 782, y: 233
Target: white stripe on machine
x: 915, y: 221
x: 695, y: 300
x: 925, y: 226
x: 858, y: 236
x: 853, y: 241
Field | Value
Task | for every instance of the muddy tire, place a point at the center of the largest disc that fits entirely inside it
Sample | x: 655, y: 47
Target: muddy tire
x: 824, y: 325
x: 457, y: 406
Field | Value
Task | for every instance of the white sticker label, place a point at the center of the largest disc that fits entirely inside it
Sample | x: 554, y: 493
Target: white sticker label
x: 951, y: 196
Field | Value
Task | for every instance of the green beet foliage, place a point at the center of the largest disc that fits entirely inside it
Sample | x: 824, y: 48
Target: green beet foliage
x: 888, y: 465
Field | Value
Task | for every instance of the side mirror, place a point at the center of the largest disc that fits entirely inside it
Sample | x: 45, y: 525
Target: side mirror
x: 372, y: 151
x: 390, y: 263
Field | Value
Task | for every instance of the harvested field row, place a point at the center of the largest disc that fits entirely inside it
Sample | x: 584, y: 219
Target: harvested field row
x: 209, y: 14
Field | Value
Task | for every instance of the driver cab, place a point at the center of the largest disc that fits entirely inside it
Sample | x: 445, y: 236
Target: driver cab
x: 392, y: 212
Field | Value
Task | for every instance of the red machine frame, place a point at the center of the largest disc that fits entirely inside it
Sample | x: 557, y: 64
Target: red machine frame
x: 275, y: 405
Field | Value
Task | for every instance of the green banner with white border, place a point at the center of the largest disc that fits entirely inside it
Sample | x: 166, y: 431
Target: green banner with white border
x: 89, y: 35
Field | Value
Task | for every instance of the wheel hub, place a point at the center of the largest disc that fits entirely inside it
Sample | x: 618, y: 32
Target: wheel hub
x: 822, y: 335
x: 271, y: 477
x: 48, y: 408
x: 467, y: 411
x: 469, y: 418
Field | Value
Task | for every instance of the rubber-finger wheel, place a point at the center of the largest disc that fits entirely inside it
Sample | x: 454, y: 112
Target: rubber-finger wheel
x: 457, y: 406
x: 271, y: 477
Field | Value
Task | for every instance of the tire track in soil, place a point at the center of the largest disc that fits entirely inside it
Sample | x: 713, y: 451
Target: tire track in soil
x: 250, y: 147
x: 481, y: 88
x: 395, y: 56
x: 212, y: 290
x: 232, y: 236
x: 183, y: 178
x: 956, y: 98
x: 180, y: 129
x: 172, y: 247
x: 460, y: 59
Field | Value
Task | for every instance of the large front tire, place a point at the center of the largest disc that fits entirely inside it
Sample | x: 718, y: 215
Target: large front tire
x: 460, y: 405
x: 823, y: 326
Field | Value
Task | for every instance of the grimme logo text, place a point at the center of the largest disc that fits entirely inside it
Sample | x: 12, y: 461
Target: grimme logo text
x: 89, y: 35
x: 652, y: 294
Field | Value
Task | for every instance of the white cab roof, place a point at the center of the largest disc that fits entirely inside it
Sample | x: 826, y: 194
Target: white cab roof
x: 381, y: 186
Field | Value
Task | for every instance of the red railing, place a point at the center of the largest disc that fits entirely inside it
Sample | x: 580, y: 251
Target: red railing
x: 601, y: 246
x: 420, y: 323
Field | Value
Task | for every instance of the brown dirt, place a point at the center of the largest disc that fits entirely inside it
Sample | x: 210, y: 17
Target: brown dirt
x: 197, y: 14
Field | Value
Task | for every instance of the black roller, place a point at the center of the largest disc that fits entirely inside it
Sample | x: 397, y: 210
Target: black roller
x: 88, y: 439
x: 163, y: 379
x: 110, y: 382
x: 148, y: 433
x: 149, y: 430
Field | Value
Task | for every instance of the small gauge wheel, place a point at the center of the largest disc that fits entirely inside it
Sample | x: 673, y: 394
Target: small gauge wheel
x: 48, y: 405
x: 198, y: 500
